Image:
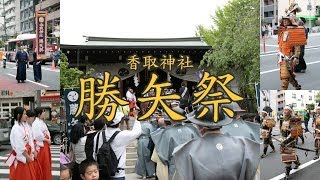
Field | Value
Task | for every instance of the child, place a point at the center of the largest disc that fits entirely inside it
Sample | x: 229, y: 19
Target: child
x: 21, y: 158
x: 65, y: 172
x: 89, y: 170
x: 43, y: 141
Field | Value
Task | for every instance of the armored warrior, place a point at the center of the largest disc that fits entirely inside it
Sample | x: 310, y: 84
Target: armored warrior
x: 316, y: 125
x: 288, y: 155
x: 290, y: 38
x: 266, y: 132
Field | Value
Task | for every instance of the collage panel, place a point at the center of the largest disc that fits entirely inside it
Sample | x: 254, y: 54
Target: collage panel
x: 290, y: 133
x: 161, y: 87
x: 30, y: 45
x: 30, y: 134
x: 290, y: 44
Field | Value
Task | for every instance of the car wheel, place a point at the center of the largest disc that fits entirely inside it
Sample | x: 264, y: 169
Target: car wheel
x: 56, y: 139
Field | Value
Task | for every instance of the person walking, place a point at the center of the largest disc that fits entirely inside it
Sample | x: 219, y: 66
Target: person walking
x: 306, y: 120
x: 36, y: 67
x: 21, y: 60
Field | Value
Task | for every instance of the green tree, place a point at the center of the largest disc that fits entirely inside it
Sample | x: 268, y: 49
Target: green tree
x: 69, y: 77
x: 1, y: 44
x: 310, y: 106
x: 235, y: 43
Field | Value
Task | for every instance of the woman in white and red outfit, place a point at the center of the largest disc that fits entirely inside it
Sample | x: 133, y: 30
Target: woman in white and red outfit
x: 36, y: 163
x: 43, y: 141
x: 21, y: 158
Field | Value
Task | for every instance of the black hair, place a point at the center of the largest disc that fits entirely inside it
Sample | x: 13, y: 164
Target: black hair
x: 65, y: 168
x: 17, y: 113
x: 85, y: 164
x: 38, y: 111
x: 99, y: 123
x: 30, y: 113
x: 77, y: 132
x: 82, y: 118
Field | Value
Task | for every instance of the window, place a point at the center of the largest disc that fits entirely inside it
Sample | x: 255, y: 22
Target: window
x: 294, y: 96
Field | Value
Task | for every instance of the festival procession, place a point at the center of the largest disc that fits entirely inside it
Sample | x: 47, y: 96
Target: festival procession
x: 141, y: 106
x: 290, y: 127
x: 292, y: 47
x: 30, y: 135
x: 30, y: 45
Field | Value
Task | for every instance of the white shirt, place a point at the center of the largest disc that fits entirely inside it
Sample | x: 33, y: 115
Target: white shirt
x: 19, y: 137
x: 39, y: 129
x: 79, y: 150
x: 119, y: 144
x: 130, y: 96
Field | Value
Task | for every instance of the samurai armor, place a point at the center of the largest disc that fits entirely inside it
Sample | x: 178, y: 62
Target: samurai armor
x: 287, y: 150
x: 296, y: 131
x: 317, y: 135
x: 285, y: 126
x: 297, y: 36
x: 264, y: 133
x: 318, y: 121
x: 288, y: 158
x: 271, y: 123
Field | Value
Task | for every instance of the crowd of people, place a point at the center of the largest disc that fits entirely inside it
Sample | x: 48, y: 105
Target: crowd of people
x: 98, y: 148
x: 291, y: 131
x: 30, y: 141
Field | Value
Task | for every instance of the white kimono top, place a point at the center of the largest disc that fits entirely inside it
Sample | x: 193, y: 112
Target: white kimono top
x: 40, y: 130
x: 19, y: 138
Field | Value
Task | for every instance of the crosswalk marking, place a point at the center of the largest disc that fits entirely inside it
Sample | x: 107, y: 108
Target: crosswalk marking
x: 55, y: 154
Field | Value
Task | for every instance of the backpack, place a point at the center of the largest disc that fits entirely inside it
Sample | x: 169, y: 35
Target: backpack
x: 106, y: 158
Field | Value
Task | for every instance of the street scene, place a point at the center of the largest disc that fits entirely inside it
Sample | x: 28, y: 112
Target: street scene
x: 290, y: 62
x: 38, y: 106
x: 154, y: 96
x: 50, y: 78
x: 305, y: 105
x: 30, y: 45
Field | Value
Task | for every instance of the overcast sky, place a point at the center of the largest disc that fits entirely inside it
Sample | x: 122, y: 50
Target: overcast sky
x: 134, y: 18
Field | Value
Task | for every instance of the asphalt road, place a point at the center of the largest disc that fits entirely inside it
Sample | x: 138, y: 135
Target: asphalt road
x: 269, y: 69
x: 273, y: 168
x: 5, y: 150
x: 50, y: 78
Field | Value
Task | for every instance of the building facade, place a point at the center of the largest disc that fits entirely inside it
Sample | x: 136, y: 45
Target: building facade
x: 269, y: 9
x: 27, y: 16
x: 298, y: 100
x: 53, y: 19
x: 10, y: 14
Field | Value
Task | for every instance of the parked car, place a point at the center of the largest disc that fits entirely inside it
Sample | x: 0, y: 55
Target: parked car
x: 54, y: 130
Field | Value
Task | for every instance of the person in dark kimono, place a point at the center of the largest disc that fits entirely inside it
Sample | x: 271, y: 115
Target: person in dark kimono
x: 165, y: 141
x: 240, y: 127
x: 21, y: 59
x: 216, y: 155
x: 36, y: 67
x: 144, y: 166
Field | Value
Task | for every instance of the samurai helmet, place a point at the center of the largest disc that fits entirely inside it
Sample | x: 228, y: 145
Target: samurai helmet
x: 207, y: 119
x: 294, y: 7
x: 234, y: 106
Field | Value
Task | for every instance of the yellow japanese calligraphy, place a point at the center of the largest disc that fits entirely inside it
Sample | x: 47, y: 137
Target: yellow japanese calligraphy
x: 167, y: 61
x: 149, y: 61
x: 207, y: 97
x: 106, y: 97
x: 159, y: 99
x: 133, y: 61
x: 185, y: 62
